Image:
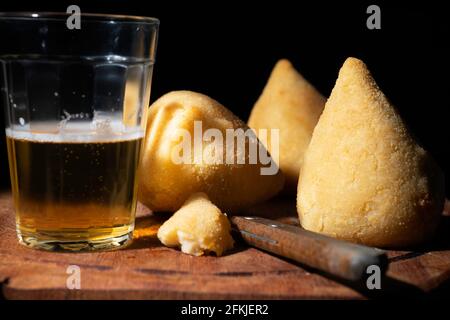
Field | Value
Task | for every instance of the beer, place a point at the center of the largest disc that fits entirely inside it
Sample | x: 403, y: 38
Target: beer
x: 74, y: 194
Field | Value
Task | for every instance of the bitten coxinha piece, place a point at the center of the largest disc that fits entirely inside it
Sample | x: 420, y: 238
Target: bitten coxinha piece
x: 362, y: 176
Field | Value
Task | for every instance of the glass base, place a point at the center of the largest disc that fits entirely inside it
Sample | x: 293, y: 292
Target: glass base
x: 45, y: 242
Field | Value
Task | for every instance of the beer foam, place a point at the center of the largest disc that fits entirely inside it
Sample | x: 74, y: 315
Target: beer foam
x: 81, y: 132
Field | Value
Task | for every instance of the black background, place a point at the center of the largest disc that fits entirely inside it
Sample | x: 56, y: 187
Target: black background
x: 226, y: 49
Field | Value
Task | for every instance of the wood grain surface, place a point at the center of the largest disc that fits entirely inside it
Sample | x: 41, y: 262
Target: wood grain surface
x: 148, y: 270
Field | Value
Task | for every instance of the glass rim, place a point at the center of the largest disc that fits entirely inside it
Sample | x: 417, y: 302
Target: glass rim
x: 92, y: 17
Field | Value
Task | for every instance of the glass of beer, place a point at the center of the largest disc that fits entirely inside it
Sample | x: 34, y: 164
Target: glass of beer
x: 75, y: 91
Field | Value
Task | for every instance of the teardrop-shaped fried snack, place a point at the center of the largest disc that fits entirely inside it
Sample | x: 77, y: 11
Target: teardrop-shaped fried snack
x: 187, y: 150
x: 364, y: 178
x: 292, y: 105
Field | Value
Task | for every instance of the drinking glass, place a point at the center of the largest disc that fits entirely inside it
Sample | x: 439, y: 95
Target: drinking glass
x: 75, y: 104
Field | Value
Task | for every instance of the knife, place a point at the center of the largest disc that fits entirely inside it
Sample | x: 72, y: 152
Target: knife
x: 339, y: 258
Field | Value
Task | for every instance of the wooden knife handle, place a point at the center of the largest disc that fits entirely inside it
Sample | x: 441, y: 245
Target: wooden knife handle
x: 339, y: 258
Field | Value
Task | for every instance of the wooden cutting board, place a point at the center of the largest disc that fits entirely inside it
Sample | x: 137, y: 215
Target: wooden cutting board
x: 148, y: 270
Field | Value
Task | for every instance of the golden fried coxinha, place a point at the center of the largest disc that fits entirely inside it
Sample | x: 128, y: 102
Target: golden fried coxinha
x: 292, y: 105
x: 165, y: 184
x: 364, y: 178
x: 198, y: 227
